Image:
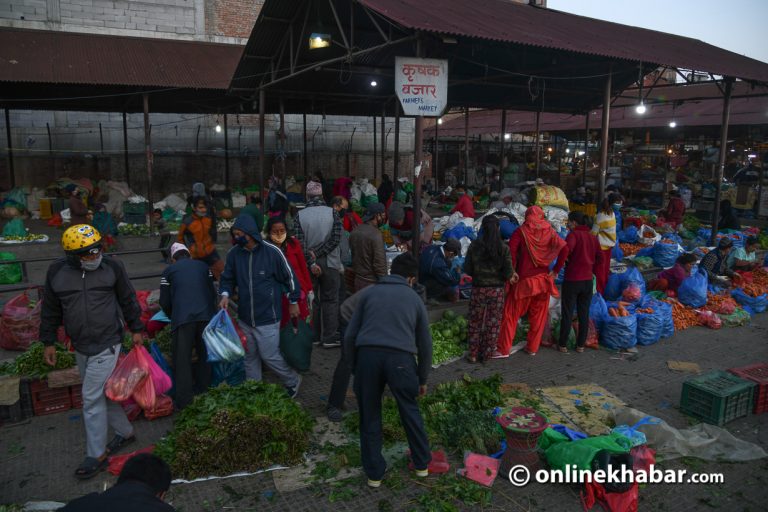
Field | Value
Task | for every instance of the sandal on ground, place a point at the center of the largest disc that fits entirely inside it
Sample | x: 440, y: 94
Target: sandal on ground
x: 499, y: 355
x: 579, y: 349
x: 529, y: 352
x: 563, y: 350
x: 90, y: 467
x: 471, y: 359
x: 118, y: 443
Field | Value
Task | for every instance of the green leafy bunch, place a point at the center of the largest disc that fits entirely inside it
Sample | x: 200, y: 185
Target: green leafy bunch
x: 32, y: 364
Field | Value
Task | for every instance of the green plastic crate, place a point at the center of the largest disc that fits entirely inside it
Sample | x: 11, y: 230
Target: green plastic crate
x: 717, y: 397
x: 136, y: 208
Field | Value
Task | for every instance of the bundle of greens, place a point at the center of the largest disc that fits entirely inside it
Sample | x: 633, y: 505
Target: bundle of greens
x: 31, y: 363
x: 449, y: 337
x: 163, y: 340
x: 230, y: 429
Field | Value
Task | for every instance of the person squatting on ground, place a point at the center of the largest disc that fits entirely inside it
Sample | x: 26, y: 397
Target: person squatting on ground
x: 715, y: 263
x: 277, y: 234
x: 141, y: 487
x: 389, y: 327
x: 672, y: 278
x: 533, y: 247
x: 318, y: 229
x: 198, y: 233
x: 188, y: 298
x: 490, y: 266
x: 436, y: 272
x: 605, y: 229
x: 584, y: 257
x: 91, y: 296
x: 369, y: 259
x: 260, y: 272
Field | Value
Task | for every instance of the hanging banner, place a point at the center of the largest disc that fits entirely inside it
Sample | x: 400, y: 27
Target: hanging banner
x: 421, y: 85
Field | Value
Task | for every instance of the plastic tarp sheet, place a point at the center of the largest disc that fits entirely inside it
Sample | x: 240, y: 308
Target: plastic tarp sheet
x: 703, y: 441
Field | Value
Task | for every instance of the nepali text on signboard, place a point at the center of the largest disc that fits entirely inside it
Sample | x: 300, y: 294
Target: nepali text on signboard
x: 421, y: 85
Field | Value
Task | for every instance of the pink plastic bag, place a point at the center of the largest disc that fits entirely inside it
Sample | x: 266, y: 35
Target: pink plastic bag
x: 20, y: 324
x: 126, y: 377
x: 480, y: 468
x: 709, y: 319
x: 158, y: 383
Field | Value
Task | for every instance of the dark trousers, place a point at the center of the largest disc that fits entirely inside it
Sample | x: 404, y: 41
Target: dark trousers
x: 189, y: 380
x: 575, y: 294
x: 341, y: 376
x: 325, y: 312
x: 374, y: 369
x: 165, y: 246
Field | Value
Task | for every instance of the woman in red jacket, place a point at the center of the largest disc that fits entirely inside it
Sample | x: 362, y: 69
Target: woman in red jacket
x: 533, y: 247
x: 278, y: 235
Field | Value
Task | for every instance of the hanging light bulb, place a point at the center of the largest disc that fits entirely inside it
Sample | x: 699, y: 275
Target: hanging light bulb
x: 440, y: 121
x: 374, y: 83
x: 507, y: 136
x: 672, y: 124
x: 218, y: 127
x: 640, y: 109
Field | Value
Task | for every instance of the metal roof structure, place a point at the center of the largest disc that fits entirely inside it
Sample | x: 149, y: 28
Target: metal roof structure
x: 688, y: 106
x: 74, y: 71
x: 501, y: 54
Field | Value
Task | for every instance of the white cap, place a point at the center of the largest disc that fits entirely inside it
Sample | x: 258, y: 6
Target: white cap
x: 176, y: 247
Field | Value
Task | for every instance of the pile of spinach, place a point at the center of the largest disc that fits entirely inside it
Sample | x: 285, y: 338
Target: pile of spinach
x: 229, y: 429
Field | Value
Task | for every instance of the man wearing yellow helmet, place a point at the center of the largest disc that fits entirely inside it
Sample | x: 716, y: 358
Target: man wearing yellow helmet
x: 94, y: 300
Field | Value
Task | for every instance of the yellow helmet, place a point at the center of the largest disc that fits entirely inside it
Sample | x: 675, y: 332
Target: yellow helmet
x: 80, y: 238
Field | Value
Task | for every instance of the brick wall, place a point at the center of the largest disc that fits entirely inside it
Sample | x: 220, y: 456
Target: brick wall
x: 234, y: 18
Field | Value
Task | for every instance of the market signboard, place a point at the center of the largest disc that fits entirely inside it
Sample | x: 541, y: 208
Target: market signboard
x: 421, y: 85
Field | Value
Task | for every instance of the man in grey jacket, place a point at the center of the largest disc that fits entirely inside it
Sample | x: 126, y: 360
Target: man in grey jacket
x: 318, y: 228
x: 92, y: 297
x: 389, y: 328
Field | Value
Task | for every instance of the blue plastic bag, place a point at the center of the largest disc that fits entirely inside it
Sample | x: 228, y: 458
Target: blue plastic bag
x: 633, y: 276
x: 757, y: 304
x: 617, y: 253
x: 628, y: 235
x: 636, y: 437
x: 649, y: 327
x: 507, y: 228
x: 647, y: 252
x: 573, y: 435
x: 665, y: 311
x: 693, y: 291
x: 664, y: 255
x: 459, y: 231
x: 221, y: 339
x: 618, y: 333
x: 672, y: 236
x: 598, y: 310
x: 613, y: 287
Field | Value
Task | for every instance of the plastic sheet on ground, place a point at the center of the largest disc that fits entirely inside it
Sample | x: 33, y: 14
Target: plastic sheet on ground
x: 703, y: 441
x: 587, y: 407
x: 556, y: 216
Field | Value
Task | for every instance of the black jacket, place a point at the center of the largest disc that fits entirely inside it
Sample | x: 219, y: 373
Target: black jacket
x: 91, y: 305
x: 129, y: 496
x: 186, y: 292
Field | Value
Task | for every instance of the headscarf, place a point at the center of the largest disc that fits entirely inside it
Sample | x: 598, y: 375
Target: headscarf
x: 541, y: 240
x: 198, y: 190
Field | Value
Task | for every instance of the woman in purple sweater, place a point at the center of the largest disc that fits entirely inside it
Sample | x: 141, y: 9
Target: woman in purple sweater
x: 673, y: 277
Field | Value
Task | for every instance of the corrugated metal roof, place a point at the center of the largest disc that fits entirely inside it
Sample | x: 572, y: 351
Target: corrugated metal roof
x: 503, y: 20
x: 37, y: 56
x: 744, y: 111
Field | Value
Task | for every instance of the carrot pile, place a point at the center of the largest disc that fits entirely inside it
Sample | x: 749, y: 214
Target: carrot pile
x: 630, y: 249
x: 684, y: 317
x: 618, y: 312
x: 721, y: 303
x: 649, y: 234
x: 647, y: 311
x: 753, y: 290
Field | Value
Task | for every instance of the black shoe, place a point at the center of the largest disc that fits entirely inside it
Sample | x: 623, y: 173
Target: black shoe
x: 334, y: 414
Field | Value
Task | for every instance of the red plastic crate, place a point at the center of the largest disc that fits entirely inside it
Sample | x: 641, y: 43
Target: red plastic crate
x: 49, y: 401
x: 757, y: 373
x: 76, y: 392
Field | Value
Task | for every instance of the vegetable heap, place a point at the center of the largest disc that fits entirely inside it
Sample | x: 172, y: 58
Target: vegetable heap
x: 229, y: 429
x: 133, y: 229
x: 457, y: 416
x: 684, y: 317
x: 448, y: 337
x: 32, y: 364
x: 163, y: 340
x: 691, y: 223
x: 26, y: 238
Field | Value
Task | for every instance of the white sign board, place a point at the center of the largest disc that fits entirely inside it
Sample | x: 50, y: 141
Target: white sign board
x: 421, y: 85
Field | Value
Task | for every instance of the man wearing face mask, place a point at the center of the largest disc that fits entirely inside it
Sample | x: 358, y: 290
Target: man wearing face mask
x: 260, y: 273
x: 94, y: 300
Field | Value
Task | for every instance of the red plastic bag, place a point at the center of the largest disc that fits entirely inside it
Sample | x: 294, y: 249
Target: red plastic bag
x: 163, y: 407
x: 159, y: 382
x: 610, y: 501
x: 709, y: 319
x: 437, y: 466
x: 127, y: 376
x: 131, y: 408
x: 116, y: 462
x: 141, y: 297
x: 592, y: 336
x: 241, y: 334
x: 643, y: 458
x: 55, y: 221
x: 20, y: 325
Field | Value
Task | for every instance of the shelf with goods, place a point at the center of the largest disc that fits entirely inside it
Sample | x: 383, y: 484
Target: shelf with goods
x: 644, y: 178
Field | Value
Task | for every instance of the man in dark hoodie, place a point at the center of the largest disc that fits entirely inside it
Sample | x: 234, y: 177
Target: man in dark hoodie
x: 183, y: 279
x: 93, y: 299
x: 260, y: 272
x: 388, y: 332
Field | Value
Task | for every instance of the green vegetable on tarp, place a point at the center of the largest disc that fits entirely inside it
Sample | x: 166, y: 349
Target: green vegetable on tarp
x: 230, y: 429
x: 9, y: 273
x: 32, y: 364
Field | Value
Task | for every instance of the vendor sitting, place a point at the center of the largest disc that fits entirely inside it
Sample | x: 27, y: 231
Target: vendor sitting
x: 672, y: 278
x: 435, y: 272
x: 675, y: 210
x: 464, y: 204
x: 401, y: 225
x: 744, y: 258
x: 715, y: 263
x: 505, y: 199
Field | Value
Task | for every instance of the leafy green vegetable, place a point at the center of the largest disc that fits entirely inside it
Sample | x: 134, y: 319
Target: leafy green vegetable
x: 163, y: 340
x: 230, y: 429
x: 32, y: 364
